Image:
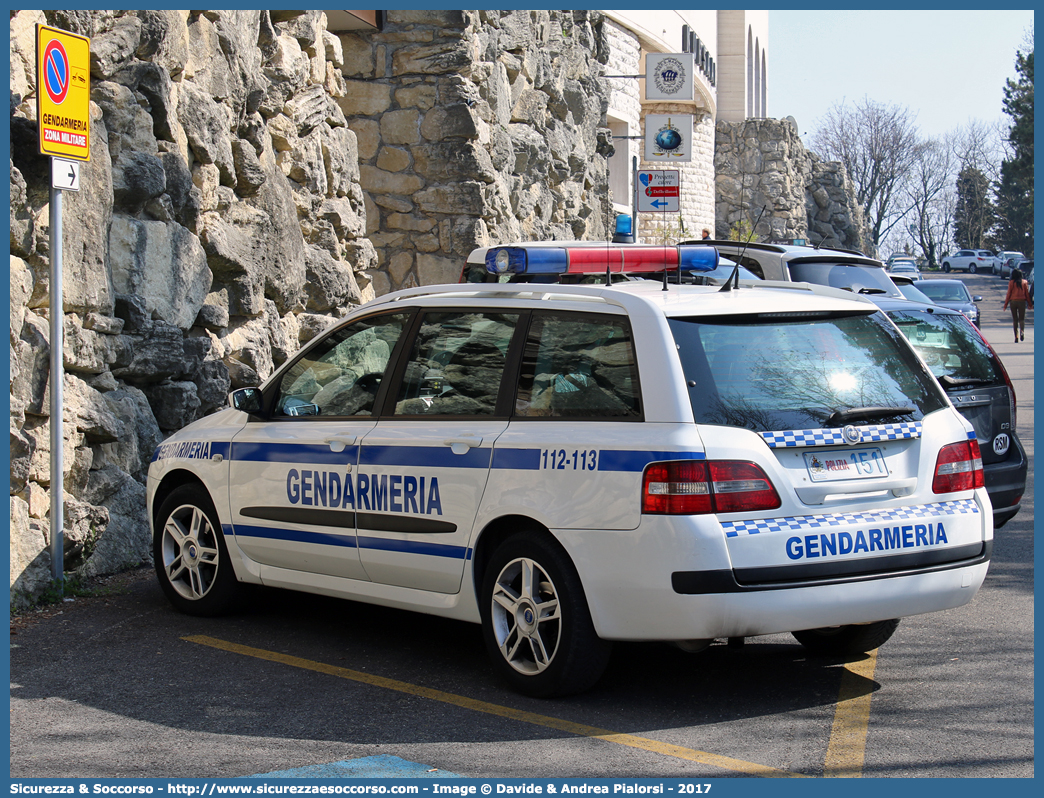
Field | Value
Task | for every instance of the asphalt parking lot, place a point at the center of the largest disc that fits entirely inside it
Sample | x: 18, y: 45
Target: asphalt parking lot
x: 120, y: 685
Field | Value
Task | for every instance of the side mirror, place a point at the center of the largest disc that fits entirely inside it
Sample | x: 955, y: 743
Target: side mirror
x: 976, y: 299
x: 246, y: 399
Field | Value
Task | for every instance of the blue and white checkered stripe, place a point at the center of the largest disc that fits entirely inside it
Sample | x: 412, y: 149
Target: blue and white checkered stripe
x: 803, y: 523
x: 836, y: 437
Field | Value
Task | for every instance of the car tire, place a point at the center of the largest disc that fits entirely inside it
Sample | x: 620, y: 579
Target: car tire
x: 843, y: 640
x: 946, y: 267
x: 972, y: 269
x: 190, y: 556
x: 535, y: 620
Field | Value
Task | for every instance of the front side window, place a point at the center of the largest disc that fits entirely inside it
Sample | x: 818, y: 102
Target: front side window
x: 578, y: 365
x: 457, y: 364
x: 340, y: 374
x: 765, y: 373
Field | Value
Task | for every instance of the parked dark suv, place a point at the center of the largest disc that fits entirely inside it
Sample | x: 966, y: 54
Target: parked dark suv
x: 977, y: 383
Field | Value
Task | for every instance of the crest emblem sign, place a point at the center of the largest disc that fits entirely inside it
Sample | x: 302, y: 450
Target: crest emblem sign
x: 669, y: 76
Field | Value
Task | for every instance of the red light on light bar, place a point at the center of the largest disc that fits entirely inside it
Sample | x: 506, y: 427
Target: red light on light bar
x: 595, y: 260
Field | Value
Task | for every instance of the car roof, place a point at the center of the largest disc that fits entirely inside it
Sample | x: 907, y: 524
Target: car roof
x: 888, y: 304
x: 640, y: 296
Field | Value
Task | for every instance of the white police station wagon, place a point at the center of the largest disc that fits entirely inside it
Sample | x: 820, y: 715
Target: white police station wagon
x: 570, y: 465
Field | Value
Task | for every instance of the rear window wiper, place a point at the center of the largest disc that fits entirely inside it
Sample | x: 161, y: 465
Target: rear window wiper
x: 839, y: 417
x: 960, y: 382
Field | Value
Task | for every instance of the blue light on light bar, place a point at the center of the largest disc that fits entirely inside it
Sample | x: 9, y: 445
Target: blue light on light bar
x: 699, y: 259
x: 518, y: 260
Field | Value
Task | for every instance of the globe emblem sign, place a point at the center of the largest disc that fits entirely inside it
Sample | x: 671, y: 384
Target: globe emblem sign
x: 56, y: 71
x: 668, y: 137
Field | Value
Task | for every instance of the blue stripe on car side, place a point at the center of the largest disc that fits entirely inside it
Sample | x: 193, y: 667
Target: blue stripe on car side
x: 413, y: 547
x: 349, y: 541
x: 624, y: 460
x: 297, y: 536
x: 517, y: 459
x: 427, y: 456
x: 292, y: 453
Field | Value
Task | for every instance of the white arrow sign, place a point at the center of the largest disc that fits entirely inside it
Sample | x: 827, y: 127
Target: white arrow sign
x: 65, y: 175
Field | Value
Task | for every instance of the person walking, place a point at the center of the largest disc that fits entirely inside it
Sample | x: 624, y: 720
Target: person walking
x: 1018, y: 297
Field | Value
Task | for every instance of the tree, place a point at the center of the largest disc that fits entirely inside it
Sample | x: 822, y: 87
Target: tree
x: 973, y: 216
x: 879, y: 146
x: 1015, y: 190
x: 931, y: 200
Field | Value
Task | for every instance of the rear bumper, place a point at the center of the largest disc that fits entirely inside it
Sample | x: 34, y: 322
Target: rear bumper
x: 804, y: 576
x: 1006, y: 483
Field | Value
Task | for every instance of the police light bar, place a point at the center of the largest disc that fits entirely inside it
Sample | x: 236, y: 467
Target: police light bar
x: 597, y: 260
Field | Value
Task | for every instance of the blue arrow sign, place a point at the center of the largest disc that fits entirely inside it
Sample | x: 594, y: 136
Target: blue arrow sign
x: 659, y: 203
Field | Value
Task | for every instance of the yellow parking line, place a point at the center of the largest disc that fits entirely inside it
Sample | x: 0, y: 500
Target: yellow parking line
x: 630, y: 740
x: 846, y: 751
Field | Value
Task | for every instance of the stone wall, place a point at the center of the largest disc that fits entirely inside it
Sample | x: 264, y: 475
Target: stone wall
x: 761, y: 163
x: 252, y: 176
x: 221, y: 222
x: 474, y: 128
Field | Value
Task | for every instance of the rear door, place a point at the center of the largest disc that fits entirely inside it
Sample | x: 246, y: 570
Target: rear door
x: 577, y: 445
x: 423, y: 468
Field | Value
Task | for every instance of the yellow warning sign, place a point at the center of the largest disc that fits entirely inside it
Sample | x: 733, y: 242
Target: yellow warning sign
x: 63, y: 91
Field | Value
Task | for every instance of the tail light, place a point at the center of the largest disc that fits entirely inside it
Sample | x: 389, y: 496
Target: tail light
x: 958, y: 468
x: 1000, y: 364
x: 698, y: 487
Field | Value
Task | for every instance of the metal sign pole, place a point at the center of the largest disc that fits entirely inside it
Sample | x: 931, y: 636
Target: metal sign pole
x: 57, y: 380
x: 634, y: 198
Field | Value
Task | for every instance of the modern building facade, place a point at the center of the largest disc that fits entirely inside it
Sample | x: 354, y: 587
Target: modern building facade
x: 731, y: 84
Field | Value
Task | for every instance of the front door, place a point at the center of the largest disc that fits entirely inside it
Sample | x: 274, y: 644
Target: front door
x: 293, y: 473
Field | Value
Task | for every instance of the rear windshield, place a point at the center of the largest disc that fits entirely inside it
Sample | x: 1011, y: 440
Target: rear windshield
x: 950, y: 291
x: 949, y: 345
x: 858, y: 278
x: 783, y: 373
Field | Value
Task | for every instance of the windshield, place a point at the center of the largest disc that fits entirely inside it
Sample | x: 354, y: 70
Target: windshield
x: 949, y: 345
x: 855, y: 277
x: 773, y: 373
x: 939, y: 291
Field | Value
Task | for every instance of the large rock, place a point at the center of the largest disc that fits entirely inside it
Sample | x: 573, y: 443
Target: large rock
x: 30, y: 559
x: 175, y: 403
x: 133, y: 451
x: 255, y: 249
x: 136, y: 178
x: 85, y: 218
x: 208, y: 125
x: 154, y: 356
x: 162, y: 263
x: 126, y: 541
x: 330, y: 284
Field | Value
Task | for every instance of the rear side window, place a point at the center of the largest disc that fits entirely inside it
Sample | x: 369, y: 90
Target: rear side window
x: 578, y: 365
x: 456, y: 364
x: 767, y: 374
x: 949, y: 344
x: 854, y: 277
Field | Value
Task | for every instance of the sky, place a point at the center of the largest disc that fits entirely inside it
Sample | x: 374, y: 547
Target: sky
x: 947, y: 67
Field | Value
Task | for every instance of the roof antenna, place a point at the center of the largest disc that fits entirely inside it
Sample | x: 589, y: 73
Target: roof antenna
x: 735, y: 271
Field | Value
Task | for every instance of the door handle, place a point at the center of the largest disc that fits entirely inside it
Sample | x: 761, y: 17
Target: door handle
x: 462, y: 444
x: 338, y: 443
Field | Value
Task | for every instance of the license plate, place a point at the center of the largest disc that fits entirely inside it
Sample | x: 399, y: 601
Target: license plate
x: 838, y: 464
